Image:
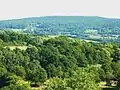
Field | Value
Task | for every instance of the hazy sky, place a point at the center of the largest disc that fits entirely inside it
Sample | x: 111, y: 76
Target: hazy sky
x: 10, y: 9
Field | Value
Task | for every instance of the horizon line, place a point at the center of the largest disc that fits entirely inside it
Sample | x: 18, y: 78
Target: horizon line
x: 58, y: 16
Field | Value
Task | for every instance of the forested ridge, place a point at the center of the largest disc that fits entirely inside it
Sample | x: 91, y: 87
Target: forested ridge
x: 84, y: 27
x: 63, y: 24
x: 56, y: 63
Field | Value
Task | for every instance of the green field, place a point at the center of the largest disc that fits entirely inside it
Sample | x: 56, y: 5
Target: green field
x: 90, y: 31
x: 19, y: 47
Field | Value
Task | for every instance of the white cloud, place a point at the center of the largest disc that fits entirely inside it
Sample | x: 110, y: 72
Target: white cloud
x: 30, y: 8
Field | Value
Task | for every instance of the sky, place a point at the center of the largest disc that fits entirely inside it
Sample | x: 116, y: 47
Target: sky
x: 12, y: 9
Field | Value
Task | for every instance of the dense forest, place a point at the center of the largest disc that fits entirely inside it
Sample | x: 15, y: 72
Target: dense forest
x: 57, y: 63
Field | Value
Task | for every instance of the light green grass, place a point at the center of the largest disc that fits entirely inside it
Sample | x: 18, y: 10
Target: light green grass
x: 104, y: 87
x: 90, y: 31
x: 36, y: 88
x: 19, y: 47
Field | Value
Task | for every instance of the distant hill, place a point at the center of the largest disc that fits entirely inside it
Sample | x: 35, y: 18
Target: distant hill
x: 70, y: 25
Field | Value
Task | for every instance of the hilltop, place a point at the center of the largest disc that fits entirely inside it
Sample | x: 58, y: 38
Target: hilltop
x: 74, y: 26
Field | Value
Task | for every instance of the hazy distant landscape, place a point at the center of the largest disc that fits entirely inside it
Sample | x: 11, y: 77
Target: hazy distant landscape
x: 60, y: 53
x: 83, y: 27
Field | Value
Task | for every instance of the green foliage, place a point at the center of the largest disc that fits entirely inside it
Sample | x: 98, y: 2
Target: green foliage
x: 19, y: 71
x: 15, y: 87
x: 3, y: 70
x: 116, y: 69
x: 15, y: 83
x: 55, y: 84
x: 80, y: 79
x: 59, y: 63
